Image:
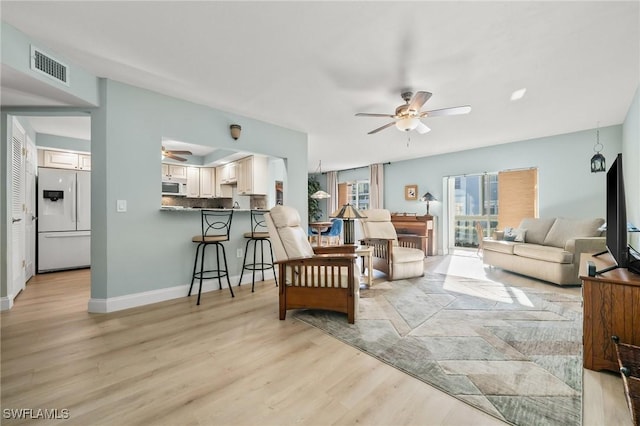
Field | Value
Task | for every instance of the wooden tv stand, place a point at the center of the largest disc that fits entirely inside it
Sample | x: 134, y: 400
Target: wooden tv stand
x: 611, y: 306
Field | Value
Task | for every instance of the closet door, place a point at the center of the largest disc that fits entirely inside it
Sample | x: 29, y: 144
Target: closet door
x: 18, y: 260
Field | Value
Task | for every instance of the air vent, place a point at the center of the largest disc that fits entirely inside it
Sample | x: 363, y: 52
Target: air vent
x: 45, y: 64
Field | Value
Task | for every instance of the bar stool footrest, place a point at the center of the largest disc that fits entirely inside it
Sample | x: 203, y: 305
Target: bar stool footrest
x: 219, y: 273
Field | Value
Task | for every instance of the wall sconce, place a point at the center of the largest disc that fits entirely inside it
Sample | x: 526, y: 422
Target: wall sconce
x: 598, y: 163
x: 426, y: 198
x: 235, y: 131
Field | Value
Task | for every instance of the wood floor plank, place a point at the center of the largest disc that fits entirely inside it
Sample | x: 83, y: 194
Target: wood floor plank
x: 227, y: 361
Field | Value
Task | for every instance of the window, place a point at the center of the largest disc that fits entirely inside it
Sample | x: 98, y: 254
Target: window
x: 355, y: 193
x: 359, y: 194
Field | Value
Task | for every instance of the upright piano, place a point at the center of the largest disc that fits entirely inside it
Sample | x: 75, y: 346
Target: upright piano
x: 414, y: 225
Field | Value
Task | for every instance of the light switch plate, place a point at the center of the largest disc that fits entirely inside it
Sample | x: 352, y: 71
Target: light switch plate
x: 121, y: 206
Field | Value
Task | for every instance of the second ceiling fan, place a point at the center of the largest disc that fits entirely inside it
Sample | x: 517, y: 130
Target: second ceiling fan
x: 407, y: 117
x: 174, y: 154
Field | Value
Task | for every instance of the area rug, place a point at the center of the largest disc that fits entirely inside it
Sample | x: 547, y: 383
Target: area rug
x: 511, y: 351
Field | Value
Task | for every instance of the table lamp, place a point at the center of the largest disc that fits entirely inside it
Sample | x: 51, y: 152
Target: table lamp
x: 348, y: 214
x: 426, y: 198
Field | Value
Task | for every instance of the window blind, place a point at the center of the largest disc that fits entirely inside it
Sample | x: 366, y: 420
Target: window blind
x: 517, y: 196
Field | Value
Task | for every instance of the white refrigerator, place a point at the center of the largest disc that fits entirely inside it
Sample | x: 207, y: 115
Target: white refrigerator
x: 64, y: 219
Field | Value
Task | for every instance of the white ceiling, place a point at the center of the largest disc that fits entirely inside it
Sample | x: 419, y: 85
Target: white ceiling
x: 311, y: 66
x: 71, y: 127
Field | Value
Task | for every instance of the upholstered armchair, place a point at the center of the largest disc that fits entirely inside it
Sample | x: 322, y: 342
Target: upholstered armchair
x: 311, y: 277
x: 389, y: 255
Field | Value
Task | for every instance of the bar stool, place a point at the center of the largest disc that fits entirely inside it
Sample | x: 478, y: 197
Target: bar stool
x: 258, y: 234
x: 216, y: 226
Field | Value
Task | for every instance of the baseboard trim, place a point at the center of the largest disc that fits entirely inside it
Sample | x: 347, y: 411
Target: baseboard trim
x: 119, y: 303
x: 6, y: 303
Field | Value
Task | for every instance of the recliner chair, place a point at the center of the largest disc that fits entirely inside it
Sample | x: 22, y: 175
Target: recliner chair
x: 311, y: 277
x: 389, y: 256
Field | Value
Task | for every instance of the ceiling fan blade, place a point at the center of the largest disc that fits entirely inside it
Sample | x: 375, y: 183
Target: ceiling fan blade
x: 366, y: 114
x: 381, y: 128
x: 174, y: 157
x: 418, y: 100
x: 422, y: 128
x: 466, y: 109
x: 180, y: 152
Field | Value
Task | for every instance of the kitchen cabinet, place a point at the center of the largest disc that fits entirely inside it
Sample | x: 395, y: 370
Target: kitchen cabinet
x: 207, y: 182
x: 66, y: 160
x: 228, y: 173
x: 193, y: 182
x: 84, y: 162
x: 252, y: 175
x: 222, y: 190
x: 172, y: 171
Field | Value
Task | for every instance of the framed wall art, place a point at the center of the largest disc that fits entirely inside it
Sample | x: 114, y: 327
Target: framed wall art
x: 411, y: 192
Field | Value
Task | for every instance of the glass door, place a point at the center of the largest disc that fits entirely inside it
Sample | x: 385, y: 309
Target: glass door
x: 472, y: 199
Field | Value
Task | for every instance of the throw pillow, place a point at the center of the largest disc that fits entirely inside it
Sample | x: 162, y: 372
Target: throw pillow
x: 515, y: 234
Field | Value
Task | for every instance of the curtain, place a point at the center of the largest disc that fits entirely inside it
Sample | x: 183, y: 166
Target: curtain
x: 376, y: 186
x: 332, y: 188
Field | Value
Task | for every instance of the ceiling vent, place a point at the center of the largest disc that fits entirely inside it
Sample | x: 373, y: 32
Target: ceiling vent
x: 52, y: 68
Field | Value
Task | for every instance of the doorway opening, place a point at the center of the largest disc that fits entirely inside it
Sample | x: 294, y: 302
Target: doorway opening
x: 60, y: 144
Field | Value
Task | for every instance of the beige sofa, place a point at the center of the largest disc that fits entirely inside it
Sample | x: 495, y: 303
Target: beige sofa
x: 550, y: 251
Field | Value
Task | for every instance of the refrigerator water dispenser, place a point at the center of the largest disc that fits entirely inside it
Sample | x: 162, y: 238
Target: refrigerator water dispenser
x: 52, y: 195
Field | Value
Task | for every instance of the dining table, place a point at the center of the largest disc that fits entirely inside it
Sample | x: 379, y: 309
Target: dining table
x: 319, y: 228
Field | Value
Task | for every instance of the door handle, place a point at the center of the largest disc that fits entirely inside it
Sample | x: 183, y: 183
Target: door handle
x: 33, y: 217
x: 14, y: 220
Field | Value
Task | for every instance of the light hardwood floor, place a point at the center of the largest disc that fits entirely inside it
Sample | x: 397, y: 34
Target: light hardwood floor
x: 225, y: 362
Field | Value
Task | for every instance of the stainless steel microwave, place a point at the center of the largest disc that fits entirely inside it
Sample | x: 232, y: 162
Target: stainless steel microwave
x: 174, y: 188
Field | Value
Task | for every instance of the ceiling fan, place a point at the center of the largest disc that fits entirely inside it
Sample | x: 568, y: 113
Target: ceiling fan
x: 173, y: 154
x: 407, y: 116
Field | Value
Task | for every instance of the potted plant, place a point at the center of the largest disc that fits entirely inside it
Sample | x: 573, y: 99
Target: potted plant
x: 314, y: 206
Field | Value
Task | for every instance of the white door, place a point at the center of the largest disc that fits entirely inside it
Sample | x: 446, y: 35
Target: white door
x: 31, y: 165
x: 56, y: 200
x: 17, y: 210
x: 83, y: 201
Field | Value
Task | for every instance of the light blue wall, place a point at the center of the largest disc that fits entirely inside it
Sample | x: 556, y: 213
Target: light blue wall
x: 631, y: 166
x: 16, y: 53
x: 146, y: 249
x: 62, y: 142
x: 566, y: 186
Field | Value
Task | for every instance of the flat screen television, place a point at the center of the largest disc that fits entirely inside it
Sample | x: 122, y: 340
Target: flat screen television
x: 616, y: 234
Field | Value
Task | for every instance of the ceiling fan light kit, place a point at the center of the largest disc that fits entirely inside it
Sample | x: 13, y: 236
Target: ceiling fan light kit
x: 407, y: 123
x: 407, y: 116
